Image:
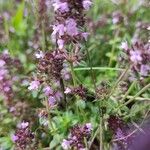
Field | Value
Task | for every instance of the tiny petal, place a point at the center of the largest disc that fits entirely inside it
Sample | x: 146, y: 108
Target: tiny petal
x: 39, y: 55
x: 24, y: 125
x: 58, y: 95
x: 61, y: 6
x: 144, y: 70
x: 14, y: 138
x: 71, y: 27
x: 87, y: 4
x: 67, y: 91
x: 47, y: 90
x: 124, y: 45
x: 60, y: 43
x: 135, y: 56
x: 65, y: 144
x: 59, y: 29
x: 2, y: 63
x: 34, y: 85
x: 148, y: 28
x: 85, y: 35
x: 89, y: 126
x: 51, y: 101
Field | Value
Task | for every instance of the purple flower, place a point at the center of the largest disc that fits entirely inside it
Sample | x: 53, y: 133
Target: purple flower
x: 144, y: 70
x: 61, y: 6
x: 52, y: 101
x: 59, y: 29
x: 65, y: 74
x: 124, y: 45
x: 34, y: 85
x: 60, y: 43
x: 2, y: 63
x: 135, y: 56
x: 23, y: 136
x: 3, y: 73
x: 85, y: 35
x: 58, y: 95
x: 65, y: 144
x: 47, y: 90
x: 14, y: 138
x: 24, y: 125
x: 71, y: 27
x: 89, y: 127
x: 87, y: 4
x: 67, y: 91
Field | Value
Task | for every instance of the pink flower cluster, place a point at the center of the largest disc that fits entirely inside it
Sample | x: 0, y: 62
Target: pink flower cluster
x: 77, y: 136
x: 23, y: 137
x: 68, y: 21
x: 139, y: 57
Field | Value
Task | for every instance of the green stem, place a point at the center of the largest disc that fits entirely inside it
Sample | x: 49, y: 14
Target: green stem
x: 112, y: 55
x: 73, y: 74
x: 135, y: 96
x: 129, y: 90
x: 98, y: 68
x: 94, y: 136
x: 91, y: 68
x: 49, y: 116
x: 118, y: 81
x: 101, y: 133
x: 113, y: 47
x: 63, y: 91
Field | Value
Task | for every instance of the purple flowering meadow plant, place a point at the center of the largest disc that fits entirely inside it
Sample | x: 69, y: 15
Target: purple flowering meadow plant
x: 74, y: 75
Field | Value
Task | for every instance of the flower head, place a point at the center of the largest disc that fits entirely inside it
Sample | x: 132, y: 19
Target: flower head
x: 124, y: 45
x: 61, y: 6
x: 59, y: 29
x: 52, y: 101
x: 34, y: 85
x: 135, y: 56
x: 24, y: 125
x: 14, y: 138
x: 86, y: 4
x: 71, y: 27
x: 47, y: 90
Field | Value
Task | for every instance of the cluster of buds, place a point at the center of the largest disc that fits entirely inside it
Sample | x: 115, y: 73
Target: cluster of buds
x: 52, y: 64
x: 53, y: 96
x: 69, y: 20
x: 103, y: 90
x: 23, y: 137
x: 138, y: 55
x: 78, y: 136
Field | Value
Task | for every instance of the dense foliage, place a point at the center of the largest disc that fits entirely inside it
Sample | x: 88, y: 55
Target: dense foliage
x: 74, y: 75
